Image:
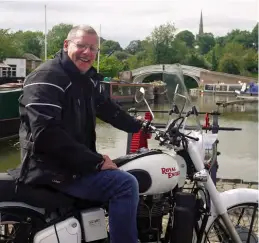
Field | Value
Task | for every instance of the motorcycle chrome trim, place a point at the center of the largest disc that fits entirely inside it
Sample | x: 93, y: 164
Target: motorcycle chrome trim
x: 201, y: 176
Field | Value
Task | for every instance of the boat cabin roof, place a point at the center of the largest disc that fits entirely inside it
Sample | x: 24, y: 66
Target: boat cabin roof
x: 222, y: 84
x: 10, y: 87
x: 126, y: 84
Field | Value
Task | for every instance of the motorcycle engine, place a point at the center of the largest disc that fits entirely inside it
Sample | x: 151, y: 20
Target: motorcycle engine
x: 151, y: 210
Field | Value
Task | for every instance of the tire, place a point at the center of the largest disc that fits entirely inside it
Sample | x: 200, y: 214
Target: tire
x: 19, y: 225
x: 243, y: 222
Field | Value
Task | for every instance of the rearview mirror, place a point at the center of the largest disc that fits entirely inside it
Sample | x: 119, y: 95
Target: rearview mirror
x: 140, y: 96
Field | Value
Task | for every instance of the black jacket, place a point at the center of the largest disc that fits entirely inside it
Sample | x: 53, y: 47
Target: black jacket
x: 58, y: 110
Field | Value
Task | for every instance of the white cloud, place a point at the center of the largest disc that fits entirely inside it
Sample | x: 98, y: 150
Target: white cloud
x: 124, y: 21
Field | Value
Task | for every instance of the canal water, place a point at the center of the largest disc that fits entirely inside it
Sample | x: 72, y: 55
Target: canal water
x: 239, y: 149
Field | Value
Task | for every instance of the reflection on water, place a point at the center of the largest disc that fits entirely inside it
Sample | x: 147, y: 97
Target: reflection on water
x: 9, y: 154
x: 239, y: 149
x: 208, y: 102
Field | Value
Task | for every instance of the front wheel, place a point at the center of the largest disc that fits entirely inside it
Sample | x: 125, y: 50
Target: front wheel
x: 244, y: 218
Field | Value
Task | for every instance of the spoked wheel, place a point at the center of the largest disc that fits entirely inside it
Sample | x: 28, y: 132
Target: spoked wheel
x: 245, y: 220
x: 18, y: 225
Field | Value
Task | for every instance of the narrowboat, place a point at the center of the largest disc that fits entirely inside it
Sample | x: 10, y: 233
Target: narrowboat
x: 124, y: 92
x: 9, y: 110
x: 217, y: 88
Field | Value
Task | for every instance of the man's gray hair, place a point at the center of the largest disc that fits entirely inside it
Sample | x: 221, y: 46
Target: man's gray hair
x: 87, y: 29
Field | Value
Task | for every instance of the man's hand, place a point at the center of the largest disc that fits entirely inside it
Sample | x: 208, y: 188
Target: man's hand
x: 140, y: 118
x: 108, y: 164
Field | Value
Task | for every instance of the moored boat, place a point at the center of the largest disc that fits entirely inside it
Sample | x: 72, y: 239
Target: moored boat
x: 124, y: 92
x: 9, y: 110
x: 216, y: 88
x: 248, y: 90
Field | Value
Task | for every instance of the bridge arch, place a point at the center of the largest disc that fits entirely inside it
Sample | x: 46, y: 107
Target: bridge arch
x: 141, y: 77
x: 140, y: 73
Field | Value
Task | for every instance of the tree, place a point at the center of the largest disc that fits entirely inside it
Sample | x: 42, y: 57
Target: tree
x: 235, y: 52
x: 147, y: 53
x: 187, y: 37
x: 102, y: 40
x: 133, y: 62
x: 242, y: 37
x: 56, y: 37
x: 250, y: 61
x: 230, y: 64
x: 196, y: 60
x: 109, y: 45
x: 214, y: 61
x: 235, y: 49
x: 205, y: 42
x: 254, y: 37
x: 179, y: 51
x: 134, y: 47
x: 30, y: 42
x: 220, y: 40
x: 110, y: 66
x: 214, y: 55
x: 121, y: 55
x: 9, y: 47
x: 142, y: 59
x: 162, y: 38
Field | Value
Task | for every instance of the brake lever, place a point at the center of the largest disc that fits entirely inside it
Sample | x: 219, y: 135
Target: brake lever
x: 190, y: 137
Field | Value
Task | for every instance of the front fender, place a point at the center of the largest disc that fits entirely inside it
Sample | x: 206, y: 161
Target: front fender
x: 233, y: 198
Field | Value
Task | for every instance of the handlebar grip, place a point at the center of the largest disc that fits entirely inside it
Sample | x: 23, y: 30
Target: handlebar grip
x: 229, y: 128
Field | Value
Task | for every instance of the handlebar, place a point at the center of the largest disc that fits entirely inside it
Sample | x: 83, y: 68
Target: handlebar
x: 163, y: 125
x: 208, y: 128
x: 159, y: 134
x: 173, y: 134
x: 168, y: 111
x: 174, y: 137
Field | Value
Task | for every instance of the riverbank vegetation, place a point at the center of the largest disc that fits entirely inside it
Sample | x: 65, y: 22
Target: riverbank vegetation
x: 234, y: 53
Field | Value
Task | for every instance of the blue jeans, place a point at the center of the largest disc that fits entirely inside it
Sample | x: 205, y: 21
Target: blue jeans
x: 121, y: 190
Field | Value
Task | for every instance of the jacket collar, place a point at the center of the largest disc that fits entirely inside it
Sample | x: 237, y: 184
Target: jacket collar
x: 72, y: 70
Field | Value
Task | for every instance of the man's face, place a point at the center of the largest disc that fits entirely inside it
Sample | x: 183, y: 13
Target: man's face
x: 82, y: 50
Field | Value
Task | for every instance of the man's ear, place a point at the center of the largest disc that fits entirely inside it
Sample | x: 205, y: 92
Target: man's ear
x: 65, y: 45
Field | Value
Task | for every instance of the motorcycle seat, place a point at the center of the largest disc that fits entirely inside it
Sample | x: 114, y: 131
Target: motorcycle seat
x: 41, y: 197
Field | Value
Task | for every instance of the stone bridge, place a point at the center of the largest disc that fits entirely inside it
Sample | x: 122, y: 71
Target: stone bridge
x: 198, y: 74
x: 140, y: 73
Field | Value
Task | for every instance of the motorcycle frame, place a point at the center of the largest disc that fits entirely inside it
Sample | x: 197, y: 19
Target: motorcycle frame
x: 221, y: 202
x: 220, y: 207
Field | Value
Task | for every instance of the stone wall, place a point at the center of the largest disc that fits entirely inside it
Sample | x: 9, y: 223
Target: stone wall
x: 215, y: 77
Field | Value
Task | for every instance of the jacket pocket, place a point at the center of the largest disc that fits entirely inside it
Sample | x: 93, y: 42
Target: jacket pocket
x: 46, y: 172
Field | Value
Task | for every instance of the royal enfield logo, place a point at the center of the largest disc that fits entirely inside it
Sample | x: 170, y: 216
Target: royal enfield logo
x: 170, y: 172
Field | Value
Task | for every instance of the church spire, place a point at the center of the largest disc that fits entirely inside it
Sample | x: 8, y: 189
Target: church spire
x: 201, y: 25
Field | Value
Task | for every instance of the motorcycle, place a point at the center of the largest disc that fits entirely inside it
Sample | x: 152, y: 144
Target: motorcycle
x: 167, y: 213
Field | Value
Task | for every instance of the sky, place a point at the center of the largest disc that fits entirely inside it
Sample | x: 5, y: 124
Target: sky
x: 126, y: 20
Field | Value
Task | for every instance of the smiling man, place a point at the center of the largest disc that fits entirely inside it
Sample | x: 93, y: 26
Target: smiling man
x: 82, y: 47
x: 58, y: 108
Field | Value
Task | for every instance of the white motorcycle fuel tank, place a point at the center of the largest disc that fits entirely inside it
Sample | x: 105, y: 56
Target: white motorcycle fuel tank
x: 155, y: 172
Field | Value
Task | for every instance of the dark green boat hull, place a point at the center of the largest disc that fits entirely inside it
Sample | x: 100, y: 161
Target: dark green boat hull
x: 9, y: 112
